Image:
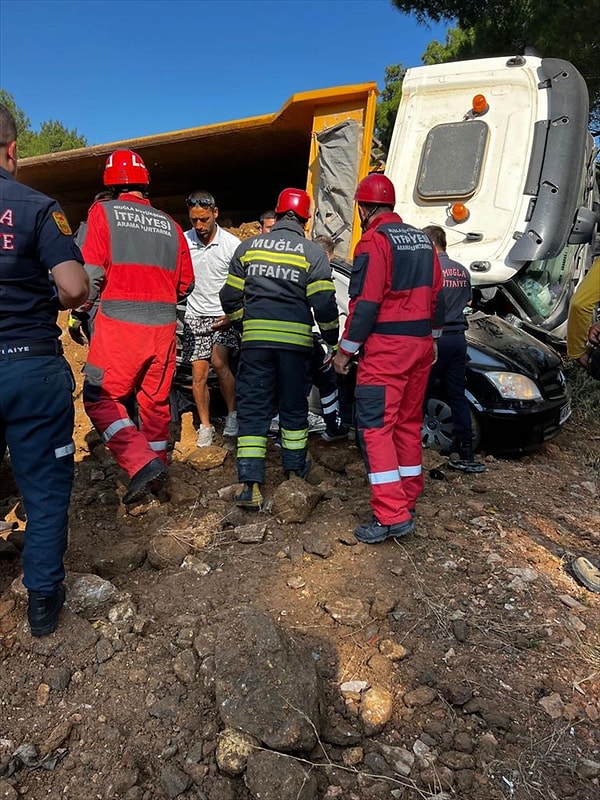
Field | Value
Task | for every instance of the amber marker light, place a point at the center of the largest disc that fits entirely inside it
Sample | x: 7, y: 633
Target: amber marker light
x: 459, y: 212
x: 480, y: 104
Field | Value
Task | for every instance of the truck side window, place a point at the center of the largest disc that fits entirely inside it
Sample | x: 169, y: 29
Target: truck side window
x: 545, y: 281
x: 452, y: 160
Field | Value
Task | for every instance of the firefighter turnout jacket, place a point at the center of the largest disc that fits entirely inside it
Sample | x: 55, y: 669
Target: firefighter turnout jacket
x: 394, y: 286
x: 139, y: 260
x: 276, y: 282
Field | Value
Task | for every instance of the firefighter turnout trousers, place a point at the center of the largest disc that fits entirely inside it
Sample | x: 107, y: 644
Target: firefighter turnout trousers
x: 143, y: 364
x: 269, y: 377
x: 391, y: 382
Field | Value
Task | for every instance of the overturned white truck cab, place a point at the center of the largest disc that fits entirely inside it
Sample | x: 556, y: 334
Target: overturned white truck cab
x: 497, y: 151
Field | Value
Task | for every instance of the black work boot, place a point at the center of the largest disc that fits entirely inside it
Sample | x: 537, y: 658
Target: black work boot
x: 250, y: 497
x: 149, y: 478
x: 374, y: 531
x: 301, y: 473
x: 42, y: 611
x: 465, y: 461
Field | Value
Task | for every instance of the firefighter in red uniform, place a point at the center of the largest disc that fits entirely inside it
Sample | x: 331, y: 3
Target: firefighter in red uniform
x: 392, y: 321
x: 138, y: 260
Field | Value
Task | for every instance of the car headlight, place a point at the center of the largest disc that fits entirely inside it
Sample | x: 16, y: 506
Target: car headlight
x: 513, y: 386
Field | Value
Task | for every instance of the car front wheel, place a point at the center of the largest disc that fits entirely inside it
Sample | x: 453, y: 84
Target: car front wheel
x: 437, y: 426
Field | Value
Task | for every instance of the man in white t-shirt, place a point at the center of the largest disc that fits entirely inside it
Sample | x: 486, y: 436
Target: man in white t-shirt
x: 208, y: 337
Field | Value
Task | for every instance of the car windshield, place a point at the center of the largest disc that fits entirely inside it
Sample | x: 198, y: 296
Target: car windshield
x: 544, y: 282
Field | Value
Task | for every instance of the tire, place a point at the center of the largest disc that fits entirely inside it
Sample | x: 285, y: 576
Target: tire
x: 436, y: 432
x: 437, y: 426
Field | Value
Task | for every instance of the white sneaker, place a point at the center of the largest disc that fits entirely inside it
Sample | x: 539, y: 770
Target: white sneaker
x: 316, y: 424
x: 206, y: 435
x: 274, y: 426
x: 231, y: 424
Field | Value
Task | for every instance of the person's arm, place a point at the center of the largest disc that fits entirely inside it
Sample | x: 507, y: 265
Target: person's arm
x: 96, y: 253
x: 232, y: 293
x: 60, y: 255
x: 320, y: 293
x: 72, y: 283
x: 438, y: 305
x: 366, y: 290
x: 185, y: 283
x: 230, y: 245
x: 594, y: 334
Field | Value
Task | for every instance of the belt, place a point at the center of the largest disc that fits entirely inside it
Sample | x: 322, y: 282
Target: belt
x: 453, y: 333
x: 50, y: 347
x: 415, y: 327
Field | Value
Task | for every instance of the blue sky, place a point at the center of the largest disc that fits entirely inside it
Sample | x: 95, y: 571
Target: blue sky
x: 119, y: 69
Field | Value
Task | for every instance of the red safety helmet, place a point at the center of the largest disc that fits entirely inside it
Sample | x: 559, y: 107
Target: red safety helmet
x: 376, y: 189
x: 124, y: 167
x: 296, y: 200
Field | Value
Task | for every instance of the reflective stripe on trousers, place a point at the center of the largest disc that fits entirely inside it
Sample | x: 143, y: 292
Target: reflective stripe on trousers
x: 145, y: 366
x: 389, y: 419
x: 266, y: 377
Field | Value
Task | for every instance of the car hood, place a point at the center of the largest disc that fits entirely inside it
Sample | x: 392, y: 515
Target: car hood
x: 494, y: 343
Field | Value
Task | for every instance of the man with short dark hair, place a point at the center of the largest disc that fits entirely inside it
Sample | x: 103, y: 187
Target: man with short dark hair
x: 267, y: 220
x: 208, y: 337
x: 41, y: 271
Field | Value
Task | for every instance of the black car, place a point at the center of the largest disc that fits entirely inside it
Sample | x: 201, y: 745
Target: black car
x: 516, y: 387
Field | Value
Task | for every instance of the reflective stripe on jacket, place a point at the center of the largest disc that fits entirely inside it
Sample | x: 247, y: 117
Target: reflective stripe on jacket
x: 395, y: 284
x: 276, y: 282
x: 138, y: 258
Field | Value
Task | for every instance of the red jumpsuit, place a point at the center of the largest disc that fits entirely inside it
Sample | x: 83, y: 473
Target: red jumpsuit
x: 138, y: 258
x: 393, y: 316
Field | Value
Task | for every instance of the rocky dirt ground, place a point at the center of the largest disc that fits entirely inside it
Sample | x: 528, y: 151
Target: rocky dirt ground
x: 460, y: 662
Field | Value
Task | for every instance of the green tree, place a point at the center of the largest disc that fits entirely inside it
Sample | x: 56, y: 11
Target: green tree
x: 389, y: 101
x: 553, y: 28
x: 52, y: 136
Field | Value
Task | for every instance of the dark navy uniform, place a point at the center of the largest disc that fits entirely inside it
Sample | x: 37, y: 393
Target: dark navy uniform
x: 452, y: 346
x: 36, y: 382
x: 276, y: 282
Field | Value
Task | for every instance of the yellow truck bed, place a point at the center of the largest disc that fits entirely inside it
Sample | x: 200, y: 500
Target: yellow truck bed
x: 245, y: 163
